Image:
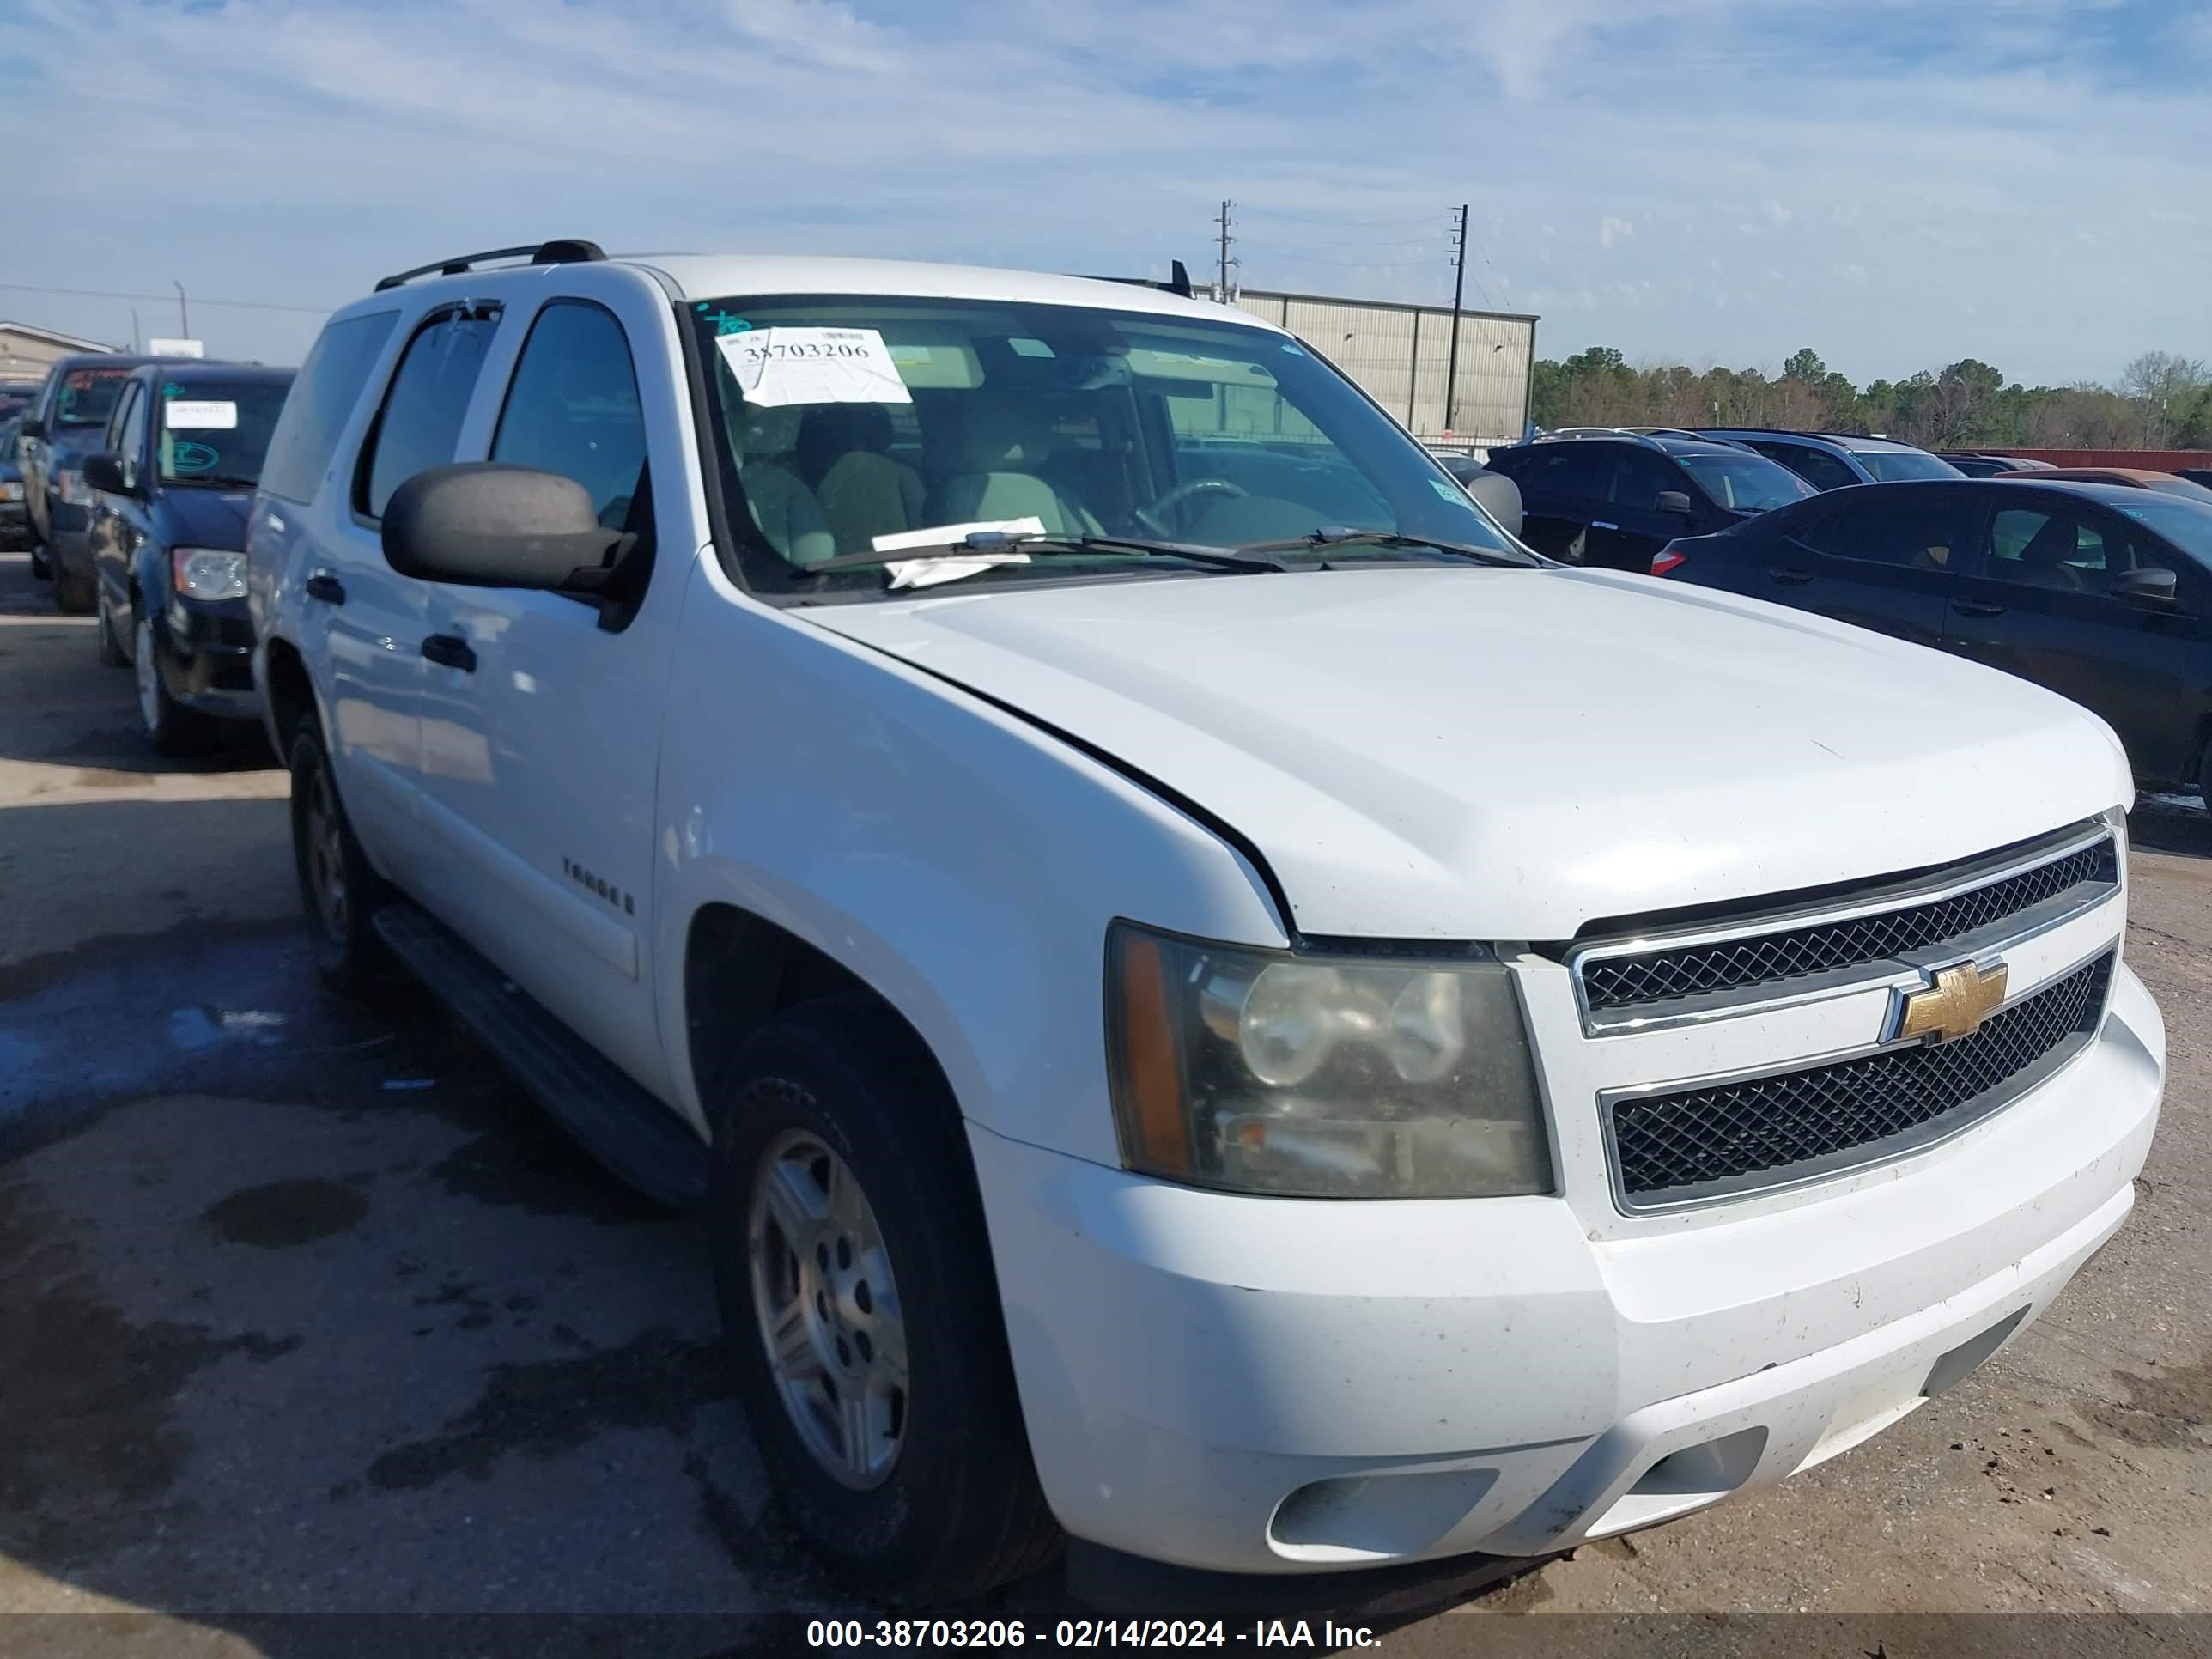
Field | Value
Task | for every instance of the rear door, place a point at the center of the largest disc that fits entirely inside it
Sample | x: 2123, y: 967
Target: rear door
x: 2037, y: 602
x: 1880, y: 558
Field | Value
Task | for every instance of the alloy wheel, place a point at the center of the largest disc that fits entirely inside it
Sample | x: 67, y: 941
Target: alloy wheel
x: 828, y: 1308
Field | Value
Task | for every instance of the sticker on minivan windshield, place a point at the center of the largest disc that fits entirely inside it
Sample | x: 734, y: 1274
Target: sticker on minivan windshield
x: 187, y: 415
x: 779, y: 366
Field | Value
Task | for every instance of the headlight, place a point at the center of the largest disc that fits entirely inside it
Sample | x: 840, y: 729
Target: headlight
x: 68, y: 484
x: 1321, y: 1077
x: 207, y: 572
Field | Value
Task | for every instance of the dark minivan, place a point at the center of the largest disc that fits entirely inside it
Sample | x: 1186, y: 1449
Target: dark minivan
x: 2101, y: 593
x: 1614, y: 499
x: 167, y: 536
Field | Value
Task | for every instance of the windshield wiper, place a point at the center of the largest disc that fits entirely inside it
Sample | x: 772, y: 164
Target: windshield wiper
x: 1328, y: 535
x: 1243, y: 559
x: 216, y: 481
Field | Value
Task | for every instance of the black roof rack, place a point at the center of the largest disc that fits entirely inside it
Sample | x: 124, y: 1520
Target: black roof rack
x: 1178, y: 280
x: 564, y: 252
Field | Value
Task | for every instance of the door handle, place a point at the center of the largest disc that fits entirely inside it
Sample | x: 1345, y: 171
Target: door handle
x: 1977, y: 608
x: 325, y: 586
x: 1599, y: 524
x: 1787, y: 576
x: 449, y: 651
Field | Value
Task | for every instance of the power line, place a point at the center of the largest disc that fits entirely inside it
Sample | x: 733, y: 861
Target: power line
x: 105, y: 293
x: 1349, y: 224
x: 1361, y: 264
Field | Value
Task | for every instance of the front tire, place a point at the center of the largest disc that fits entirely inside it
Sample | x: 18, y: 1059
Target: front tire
x: 110, y: 651
x: 171, y: 728
x: 861, y: 1310
x: 338, y: 890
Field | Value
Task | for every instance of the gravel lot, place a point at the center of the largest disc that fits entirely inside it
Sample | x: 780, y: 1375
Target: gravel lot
x: 304, y: 1312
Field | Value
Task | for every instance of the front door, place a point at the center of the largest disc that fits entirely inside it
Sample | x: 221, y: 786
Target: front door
x: 542, y: 711
x: 118, y: 525
x: 2038, y: 602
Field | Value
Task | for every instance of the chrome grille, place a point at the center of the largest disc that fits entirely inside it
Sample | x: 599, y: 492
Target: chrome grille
x: 1667, y: 974
x: 1715, y: 1139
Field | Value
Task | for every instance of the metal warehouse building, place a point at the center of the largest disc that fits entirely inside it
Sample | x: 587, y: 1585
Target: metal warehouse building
x: 1401, y: 354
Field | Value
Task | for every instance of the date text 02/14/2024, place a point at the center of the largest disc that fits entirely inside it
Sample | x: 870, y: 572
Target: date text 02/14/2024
x: 1324, y: 1635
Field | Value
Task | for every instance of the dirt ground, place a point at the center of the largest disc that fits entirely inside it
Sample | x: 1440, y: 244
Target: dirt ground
x: 306, y: 1316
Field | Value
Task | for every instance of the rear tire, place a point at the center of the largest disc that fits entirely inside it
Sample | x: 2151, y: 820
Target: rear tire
x: 338, y: 889
x: 942, y: 1503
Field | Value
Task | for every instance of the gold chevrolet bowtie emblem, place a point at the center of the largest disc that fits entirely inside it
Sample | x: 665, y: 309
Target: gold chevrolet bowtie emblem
x: 1956, y: 1005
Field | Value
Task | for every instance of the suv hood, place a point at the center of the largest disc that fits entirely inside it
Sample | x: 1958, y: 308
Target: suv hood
x: 1493, y: 754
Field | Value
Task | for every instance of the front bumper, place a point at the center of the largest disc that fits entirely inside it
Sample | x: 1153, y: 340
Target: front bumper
x: 205, y: 655
x: 1255, y: 1385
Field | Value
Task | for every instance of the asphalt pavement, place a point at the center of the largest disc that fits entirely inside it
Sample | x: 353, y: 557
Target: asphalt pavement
x: 317, y: 1338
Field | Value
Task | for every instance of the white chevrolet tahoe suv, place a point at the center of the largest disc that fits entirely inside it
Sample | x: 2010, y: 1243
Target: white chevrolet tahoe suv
x: 1213, y: 1004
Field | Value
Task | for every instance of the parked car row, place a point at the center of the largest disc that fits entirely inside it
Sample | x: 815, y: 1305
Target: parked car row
x: 136, y: 477
x: 1020, y: 799
x: 2101, y: 591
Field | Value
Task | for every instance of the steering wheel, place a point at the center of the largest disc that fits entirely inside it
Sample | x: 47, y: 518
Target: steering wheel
x: 1150, y: 517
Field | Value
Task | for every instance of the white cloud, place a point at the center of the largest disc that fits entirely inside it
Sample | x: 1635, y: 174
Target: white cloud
x: 354, y: 142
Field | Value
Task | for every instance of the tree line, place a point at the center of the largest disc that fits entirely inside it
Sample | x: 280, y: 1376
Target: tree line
x: 2160, y: 401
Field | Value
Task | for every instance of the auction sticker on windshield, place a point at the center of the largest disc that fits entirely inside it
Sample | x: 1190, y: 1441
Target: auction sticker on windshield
x: 183, y: 415
x: 781, y: 366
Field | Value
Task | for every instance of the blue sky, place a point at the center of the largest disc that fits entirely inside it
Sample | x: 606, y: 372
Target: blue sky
x: 1896, y: 185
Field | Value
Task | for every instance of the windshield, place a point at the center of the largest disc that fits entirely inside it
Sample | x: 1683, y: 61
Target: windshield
x: 215, y: 433
x: 2188, y: 489
x: 2187, y: 525
x: 1746, y: 483
x: 1890, y: 465
x: 842, y: 419
x: 87, y: 396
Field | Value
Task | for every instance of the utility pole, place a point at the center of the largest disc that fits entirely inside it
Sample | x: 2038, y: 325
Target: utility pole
x: 1221, y: 289
x: 1459, y: 288
x: 134, y: 330
x: 184, y: 317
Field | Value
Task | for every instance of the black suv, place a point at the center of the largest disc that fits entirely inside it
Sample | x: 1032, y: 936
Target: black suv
x: 2099, y: 592
x: 1614, y: 499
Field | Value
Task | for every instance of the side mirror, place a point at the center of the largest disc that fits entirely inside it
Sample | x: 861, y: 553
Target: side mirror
x: 2151, y: 587
x: 1499, y: 494
x: 484, y: 524
x: 1673, y: 501
x: 103, y: 469
x: 31, y: 427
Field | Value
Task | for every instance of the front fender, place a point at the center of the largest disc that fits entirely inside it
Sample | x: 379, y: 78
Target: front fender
x: 961, y: 862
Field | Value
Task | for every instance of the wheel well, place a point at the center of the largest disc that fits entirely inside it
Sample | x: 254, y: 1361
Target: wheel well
x: 739, y: 971
x: 291, y: 693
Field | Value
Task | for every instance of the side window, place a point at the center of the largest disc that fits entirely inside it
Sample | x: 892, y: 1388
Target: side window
x: 320, y: 403
x: 1572, y: 468
x: 126, y: 436
x: 420, y: 424
x: 1814, y: 531
x: 1638, y: 479
x: 2057, y: 548
x: 573, y: 409
x: 1815, y: 466
x: 1919, y: 533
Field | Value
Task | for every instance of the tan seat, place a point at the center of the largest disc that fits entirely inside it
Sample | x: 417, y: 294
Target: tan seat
x: 864, y: 492
x: 997, y: 474
x: 783, y: 509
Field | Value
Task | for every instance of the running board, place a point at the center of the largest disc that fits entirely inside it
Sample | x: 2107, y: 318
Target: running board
x: 634, y: 1134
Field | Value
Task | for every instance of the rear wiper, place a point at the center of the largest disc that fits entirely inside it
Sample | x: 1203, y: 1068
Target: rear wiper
x: 1329, y: 536
x: 1003, y: 542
